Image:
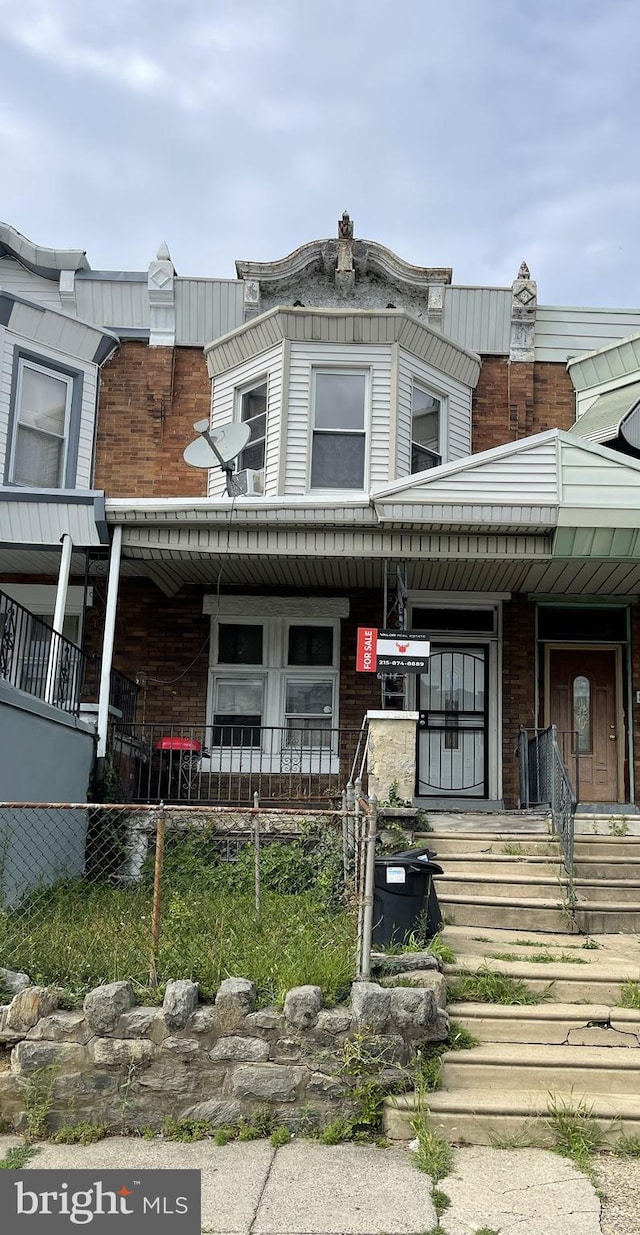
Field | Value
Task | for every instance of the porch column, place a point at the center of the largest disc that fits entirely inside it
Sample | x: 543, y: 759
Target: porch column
x: 107, y: 650
x: 58, y: 616
x: 391, y: 755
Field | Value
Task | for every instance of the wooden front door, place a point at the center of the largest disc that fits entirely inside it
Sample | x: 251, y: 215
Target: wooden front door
x: 583, y: 698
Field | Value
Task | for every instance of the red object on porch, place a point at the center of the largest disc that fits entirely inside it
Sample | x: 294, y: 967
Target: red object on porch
x: 179, y: 744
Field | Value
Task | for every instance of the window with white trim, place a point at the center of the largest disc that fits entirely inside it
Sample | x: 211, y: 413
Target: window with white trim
x: 338, y: 436
x: 426, y: 415
x: 41, y: 426
x: 252, y: 411
x: 275, y: 674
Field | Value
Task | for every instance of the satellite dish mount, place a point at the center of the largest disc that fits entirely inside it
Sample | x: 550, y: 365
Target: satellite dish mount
x: 221, y: 447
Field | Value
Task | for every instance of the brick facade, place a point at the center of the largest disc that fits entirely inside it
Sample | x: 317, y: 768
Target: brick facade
x: 512, y: 401
x: 150, y: 398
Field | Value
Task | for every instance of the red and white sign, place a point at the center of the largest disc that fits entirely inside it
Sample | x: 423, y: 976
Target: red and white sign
x: 402, y: 651
x: 366, y: 656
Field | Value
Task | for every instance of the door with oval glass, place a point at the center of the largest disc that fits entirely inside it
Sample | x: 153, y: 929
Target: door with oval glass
x: 583, y: 697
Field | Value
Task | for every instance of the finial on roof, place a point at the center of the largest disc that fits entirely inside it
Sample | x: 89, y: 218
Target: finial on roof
x: 524, y: 272
x: 345, y: 227
x: 163, y: 254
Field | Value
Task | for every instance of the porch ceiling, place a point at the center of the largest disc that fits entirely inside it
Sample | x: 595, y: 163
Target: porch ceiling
x: 171, y: 571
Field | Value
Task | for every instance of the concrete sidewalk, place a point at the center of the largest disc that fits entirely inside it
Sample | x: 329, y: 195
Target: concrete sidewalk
x: 310, y: 1189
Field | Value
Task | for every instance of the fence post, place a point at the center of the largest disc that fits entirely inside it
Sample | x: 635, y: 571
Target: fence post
x: 369, y: 884
x: 157, y: 897
x: 256, y: 859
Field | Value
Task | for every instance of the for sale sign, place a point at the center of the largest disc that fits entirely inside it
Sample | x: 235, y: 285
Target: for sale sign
x: 398, y: 651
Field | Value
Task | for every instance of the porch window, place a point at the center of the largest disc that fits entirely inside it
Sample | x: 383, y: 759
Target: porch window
x: 425, y: 429
x: 291, y: 701
x: 253, y: 412
x: 42, y: 413
x: 338, y: 435
x: 309, y: 712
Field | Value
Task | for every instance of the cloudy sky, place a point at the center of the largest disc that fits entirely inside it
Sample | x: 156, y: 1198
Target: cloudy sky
x: 469, y: 133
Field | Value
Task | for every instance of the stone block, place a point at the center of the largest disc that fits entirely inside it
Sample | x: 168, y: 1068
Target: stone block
x: 239, y: 1050
x: 106, y: 1004
x: 286, y: 1050
x: 235, y: 999
x: 142, y: 1023
x: 429, y: 979
x: 185, y: 1048
x: 267, y: 1082
x: 204, y: 1020
x: 29, y: 1005
x: 266, y: 1018
x: 403, y: 963
x: 118, y: 1053
x: 334, y: 1021
x: 27, y: 1057
x: 370, y: 1006
x: 324, y: 1086
x: 302, y: 1005
x: 13, y: 981
x: 412, y: 1011
x: 61, y: 1027
x: 217, y: 1112
x: 180, y: 1001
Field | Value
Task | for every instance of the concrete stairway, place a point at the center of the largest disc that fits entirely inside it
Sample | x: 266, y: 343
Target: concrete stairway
x: 509, y: 877
x: 504, y: 896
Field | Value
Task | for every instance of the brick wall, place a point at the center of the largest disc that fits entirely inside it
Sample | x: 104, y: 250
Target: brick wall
x: 149, y: 400
x: 512, y: 401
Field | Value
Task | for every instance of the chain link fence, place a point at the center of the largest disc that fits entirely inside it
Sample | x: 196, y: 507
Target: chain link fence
x: 92, y: 893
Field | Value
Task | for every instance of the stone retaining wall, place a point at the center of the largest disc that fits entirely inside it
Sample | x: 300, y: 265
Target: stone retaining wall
x: 127, y: 1066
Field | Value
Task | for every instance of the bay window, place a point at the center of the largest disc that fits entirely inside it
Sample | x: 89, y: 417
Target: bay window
x: 425, y: 429
x: 338, y: 446
x: 41, y: 420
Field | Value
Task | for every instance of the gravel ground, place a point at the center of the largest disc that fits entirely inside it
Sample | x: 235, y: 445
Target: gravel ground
x: 619, y: 1182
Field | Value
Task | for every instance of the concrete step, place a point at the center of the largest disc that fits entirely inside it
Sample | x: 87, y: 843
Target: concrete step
x: 510, y: 1118
x: 626, y: 847
x: 562, y: 982
x: 605, y: 867
x: 594, y: 918
x: 496, y: 911
x: 486, y: 865
x: 608, y: 825
x: 500, y: 821
x: 505, y: 844
x: 513, y: 1066
x: 556, y: 1024
x: 496, y: 884
x: 615, y: 948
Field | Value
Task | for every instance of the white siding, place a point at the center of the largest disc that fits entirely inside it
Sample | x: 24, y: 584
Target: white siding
x: 17, y: 279
x: 565, y: 332
x: 523, y: 476
x: 456, y: 442
x: 376, y: 359
x: 267, y: 364
x: 9, y: 342
x: 592, y: 480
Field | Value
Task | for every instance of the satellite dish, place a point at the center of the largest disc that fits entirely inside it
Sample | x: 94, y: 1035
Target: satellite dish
x: 228, y: 443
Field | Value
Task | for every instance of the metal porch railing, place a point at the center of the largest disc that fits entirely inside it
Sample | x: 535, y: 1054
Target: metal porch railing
x: 231, y: 763
x: 545, y: 781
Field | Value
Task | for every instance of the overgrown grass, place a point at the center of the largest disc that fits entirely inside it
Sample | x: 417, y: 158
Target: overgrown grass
x: 486, y: 986
x: 628, y: 1147
x: 630, y: 994
x: 81, y: 934
x: 575, y: 1133
x: 538, y: 958
x: 442, y: 950
x: 433, y: 1155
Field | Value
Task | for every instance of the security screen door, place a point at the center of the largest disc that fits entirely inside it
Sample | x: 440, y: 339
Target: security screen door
x: 453, y: 739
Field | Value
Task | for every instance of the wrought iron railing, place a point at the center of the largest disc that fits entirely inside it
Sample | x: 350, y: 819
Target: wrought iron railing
x: 38, y: 660
x: 123, y: 694
x: 229, y: 763
x: 545, y: 781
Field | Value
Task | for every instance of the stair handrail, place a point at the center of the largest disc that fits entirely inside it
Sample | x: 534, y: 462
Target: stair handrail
x: 545, y: 781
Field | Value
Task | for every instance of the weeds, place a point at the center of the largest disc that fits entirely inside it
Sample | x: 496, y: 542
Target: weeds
x: 434, y: 1155
x: 82, y: 1133
x: 441, y: 1201
x: 38, y: 1101
x: 460, y: 1038
x: 17, y: 1157
x: 187, y: 1130
x: 590, y: 945
x: 539, y: 958
x: 628, y: 1147
x: 575, y: 1132
x: 630, y: 994
x: 280, y: 1137
x: 486, y: 986
x: 441, y: 950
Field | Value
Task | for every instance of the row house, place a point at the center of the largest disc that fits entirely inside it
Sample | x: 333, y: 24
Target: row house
x: 417, y: 454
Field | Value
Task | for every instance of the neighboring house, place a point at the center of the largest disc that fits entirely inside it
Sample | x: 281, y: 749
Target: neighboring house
x: 459, y: 454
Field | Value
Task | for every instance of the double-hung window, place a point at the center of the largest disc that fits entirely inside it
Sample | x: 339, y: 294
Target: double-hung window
x: 426, y: 414
x: 338, y: 446
x: 274, y: 683
x: 41, y: 426
x: 252, y: 411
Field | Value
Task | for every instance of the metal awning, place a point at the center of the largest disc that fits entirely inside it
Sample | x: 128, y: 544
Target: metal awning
x: 601, y: 422
x: 30, y: 517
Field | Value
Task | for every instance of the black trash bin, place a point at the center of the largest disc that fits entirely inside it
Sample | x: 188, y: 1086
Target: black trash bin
x: 405, y: 898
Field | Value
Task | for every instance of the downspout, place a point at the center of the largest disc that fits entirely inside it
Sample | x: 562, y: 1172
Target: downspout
x: 107, y: 653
